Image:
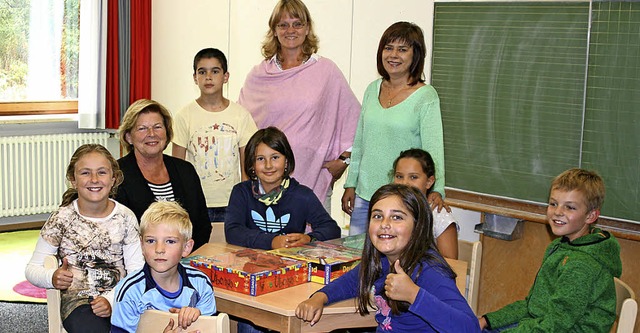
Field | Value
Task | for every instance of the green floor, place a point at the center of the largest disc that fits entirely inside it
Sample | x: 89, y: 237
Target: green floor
x: 16, y: 248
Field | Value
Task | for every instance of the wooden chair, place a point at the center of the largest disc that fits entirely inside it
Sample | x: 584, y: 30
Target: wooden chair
x: 460, y: 267
x: 471, y: 252
x: 53, y: 300
x: 156, y: 321
x: 626, y: 307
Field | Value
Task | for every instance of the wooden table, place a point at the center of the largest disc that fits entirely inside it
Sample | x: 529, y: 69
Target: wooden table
x: 276, y: 310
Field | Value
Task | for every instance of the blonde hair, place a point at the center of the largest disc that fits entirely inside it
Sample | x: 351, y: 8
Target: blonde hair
x: 589, y: 183
x: 295, y: 9
x: 71, y: 193
x: 131, y: 117
x: 168, y: 213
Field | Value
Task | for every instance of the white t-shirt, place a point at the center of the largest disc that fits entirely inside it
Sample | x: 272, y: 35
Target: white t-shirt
x: 213, y: 140
x: 441, y: 221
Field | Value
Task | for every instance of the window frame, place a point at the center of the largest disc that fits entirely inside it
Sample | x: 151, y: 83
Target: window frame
x: 29, y: 108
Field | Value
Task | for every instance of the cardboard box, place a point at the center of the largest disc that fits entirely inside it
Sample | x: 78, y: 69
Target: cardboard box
x: 326, y: 261
x: 252, y: 272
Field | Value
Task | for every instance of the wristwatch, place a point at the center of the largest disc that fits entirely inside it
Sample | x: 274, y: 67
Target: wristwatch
x: 344, y: 159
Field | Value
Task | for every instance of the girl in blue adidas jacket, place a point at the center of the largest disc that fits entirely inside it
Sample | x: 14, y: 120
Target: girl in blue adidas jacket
x: 272, y: 210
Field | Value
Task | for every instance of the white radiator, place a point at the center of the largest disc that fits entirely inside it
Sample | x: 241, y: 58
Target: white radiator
x: 33, y: 168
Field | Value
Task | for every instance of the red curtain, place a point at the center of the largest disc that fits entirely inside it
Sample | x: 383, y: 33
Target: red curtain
x: 140, y: 58
x: 112, y: 103
x: 140, y: 85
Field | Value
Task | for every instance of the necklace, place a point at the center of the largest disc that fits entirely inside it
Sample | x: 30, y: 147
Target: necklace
x: 281, y: 66
x: 391, y: 98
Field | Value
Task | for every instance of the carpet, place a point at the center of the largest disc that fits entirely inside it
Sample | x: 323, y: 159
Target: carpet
x: 15, y: 251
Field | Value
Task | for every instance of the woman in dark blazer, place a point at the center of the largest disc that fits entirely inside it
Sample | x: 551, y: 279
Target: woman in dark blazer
x: 150, y: 176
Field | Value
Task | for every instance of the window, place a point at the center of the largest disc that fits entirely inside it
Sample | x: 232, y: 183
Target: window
x: 39, y: 56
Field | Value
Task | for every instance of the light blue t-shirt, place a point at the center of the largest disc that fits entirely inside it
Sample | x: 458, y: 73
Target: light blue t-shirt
x: 138, y: 292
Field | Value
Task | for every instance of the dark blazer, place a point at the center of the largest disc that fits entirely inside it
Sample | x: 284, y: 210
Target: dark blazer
x: 135, y: 193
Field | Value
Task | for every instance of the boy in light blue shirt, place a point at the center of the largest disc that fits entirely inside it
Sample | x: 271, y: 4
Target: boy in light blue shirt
x: 163, y: 283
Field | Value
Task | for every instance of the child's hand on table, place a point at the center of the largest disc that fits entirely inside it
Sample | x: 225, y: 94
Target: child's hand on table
x: 311, y: 309
x: 290, y: 240
x: 293, y: 240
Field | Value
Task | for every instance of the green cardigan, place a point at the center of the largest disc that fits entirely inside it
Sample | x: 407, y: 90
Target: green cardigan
x: 573, y: 291
x: 383, y: 133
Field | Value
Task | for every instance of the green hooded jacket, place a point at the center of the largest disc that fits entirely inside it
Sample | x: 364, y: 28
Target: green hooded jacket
x: 573, y: 291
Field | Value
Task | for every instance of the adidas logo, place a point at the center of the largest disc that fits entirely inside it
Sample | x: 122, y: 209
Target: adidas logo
x: 270, y: 223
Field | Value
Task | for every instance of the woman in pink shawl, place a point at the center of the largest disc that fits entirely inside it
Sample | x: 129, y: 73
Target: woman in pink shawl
x: 304, y: 95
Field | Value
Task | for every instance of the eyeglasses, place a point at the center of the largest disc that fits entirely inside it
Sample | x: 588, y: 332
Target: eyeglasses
x: 285, y: 26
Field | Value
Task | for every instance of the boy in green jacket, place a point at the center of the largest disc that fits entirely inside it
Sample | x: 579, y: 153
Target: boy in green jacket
x: 574, y: 289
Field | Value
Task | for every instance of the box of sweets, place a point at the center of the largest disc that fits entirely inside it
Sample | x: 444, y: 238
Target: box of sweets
x: 327, y: 261
x: 251, y: 272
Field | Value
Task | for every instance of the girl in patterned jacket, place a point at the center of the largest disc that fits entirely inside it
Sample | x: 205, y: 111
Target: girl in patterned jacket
x: 95, y: 238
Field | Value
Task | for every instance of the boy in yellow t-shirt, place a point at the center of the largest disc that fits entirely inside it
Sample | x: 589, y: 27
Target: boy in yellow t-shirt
x: 211, y: 132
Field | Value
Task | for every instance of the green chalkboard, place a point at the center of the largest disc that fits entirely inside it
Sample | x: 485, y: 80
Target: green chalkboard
x: 612, y: 128
x: 515, y: 83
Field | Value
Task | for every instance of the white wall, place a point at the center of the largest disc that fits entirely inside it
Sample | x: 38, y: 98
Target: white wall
x: 178, y: 32
x: 349, y: 31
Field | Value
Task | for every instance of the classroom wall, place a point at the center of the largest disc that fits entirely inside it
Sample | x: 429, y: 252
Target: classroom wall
x: 237, y: 27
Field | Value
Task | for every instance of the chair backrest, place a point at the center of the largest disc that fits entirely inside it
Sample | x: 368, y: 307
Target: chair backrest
x: 460, y: 267
x: 471, y: 252
x: 156, y: 321
x: 53, y: 300
x: 626, y: 307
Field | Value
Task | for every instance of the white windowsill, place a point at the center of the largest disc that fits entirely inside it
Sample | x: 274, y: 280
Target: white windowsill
x: 50, y: 118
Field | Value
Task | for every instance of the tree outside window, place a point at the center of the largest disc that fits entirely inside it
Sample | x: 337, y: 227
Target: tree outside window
x: 39, y: 56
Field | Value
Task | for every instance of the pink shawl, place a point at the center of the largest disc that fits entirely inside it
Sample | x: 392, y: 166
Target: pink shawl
x: 313, y: 105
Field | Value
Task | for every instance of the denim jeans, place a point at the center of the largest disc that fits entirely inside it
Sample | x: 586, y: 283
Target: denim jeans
x: 358, y: 222
x: 327, y: 200
x: 248, y: 327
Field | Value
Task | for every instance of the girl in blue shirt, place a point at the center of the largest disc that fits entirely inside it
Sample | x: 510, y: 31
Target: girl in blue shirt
x: 401, y: 274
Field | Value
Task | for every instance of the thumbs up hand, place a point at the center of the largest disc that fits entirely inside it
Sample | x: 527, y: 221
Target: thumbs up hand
x: 399, y: 286
x: 62, y: 277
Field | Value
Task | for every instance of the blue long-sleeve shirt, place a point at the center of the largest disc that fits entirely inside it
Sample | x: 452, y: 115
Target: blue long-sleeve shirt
x: 439, y: 306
